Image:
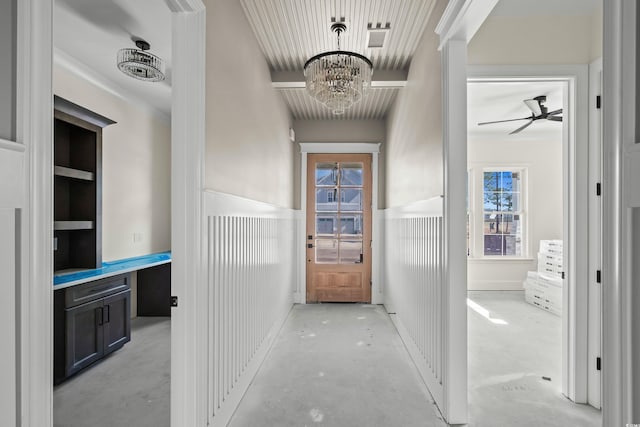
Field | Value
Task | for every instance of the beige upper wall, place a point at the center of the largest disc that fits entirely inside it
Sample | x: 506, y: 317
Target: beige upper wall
x: 341, y: 131
x: 248, y: 150
x: 544, y: 40
x: 414, y: 126
x: 136, y: 170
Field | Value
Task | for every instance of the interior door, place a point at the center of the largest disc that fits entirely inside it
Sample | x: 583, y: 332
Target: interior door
x: 339, y: 228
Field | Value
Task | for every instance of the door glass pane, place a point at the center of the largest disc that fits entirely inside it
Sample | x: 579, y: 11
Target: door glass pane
x: 326, y: 251
x: 351, y: 174
x: 351, y: 225
x: 350, y: 251
x: 326, y: 225
x: 326, y: 200
x: 350, y: 200
x: 326, y: 174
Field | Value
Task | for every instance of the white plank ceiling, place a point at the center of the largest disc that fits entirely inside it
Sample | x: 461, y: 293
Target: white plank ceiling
x: 291, y: 31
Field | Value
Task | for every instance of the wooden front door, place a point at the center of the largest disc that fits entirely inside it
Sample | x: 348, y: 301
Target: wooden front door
x: 339, y: 228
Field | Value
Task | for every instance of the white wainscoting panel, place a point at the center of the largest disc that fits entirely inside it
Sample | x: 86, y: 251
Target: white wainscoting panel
x: 414, y: 278
x: 8, y: 385
x: 251, y: 274
x: 12, y: 186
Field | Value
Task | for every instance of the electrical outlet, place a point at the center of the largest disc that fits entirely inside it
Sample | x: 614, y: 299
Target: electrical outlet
x: 137, y: 237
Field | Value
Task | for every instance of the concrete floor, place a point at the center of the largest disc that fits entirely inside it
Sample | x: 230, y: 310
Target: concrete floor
x: 507, y: 363
x: 345, y: 365
x: 130, y: 388
x: 337, y: 365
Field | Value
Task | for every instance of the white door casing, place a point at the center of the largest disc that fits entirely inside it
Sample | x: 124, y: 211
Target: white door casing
x: 34, y: 104
x: 621, y: 200
x: 373, y: 148
x: 189, y: 348
x: 594, y: 339
x: 460, y: 21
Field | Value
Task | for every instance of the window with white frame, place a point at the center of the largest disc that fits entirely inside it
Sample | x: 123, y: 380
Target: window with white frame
x: 502, y: 212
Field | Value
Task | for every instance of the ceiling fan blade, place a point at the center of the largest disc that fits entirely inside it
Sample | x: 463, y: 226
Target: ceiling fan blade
x: 554, y: 112
x: 534, y: 106
x: 555, y: 118
x: 502, y: 121
x: 526, y: 125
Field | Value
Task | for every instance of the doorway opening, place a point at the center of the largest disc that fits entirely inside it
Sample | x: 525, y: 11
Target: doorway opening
x: 321, y: 164
x: 522, y: 253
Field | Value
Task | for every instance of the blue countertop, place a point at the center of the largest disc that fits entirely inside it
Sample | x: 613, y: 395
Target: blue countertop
x: 111, y: 268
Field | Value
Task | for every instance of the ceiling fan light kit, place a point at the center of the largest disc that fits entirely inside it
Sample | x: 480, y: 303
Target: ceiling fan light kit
x: 338, y: 79
x: 538, y: 112
x: 140, y: 64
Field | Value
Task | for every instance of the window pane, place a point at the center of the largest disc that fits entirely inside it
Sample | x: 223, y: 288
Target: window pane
x: 492, y: 201
x: 512, y: 246
x: 351, y: 174
x: 326, y: 200
x: 350, y: 199
x: 351, y: 225
x: 326, y: 174
x: 517, y: 182
x: 326, y: 225
x: 493, y: 244
x: 491, y: 222
x: 326, y: 251
x: 350, y: 251
x: 510, y: 224
x: 491, y: 181
x: 510, y: 202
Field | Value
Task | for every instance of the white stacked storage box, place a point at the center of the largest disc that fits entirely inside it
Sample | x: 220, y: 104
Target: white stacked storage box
x: 543, y: 288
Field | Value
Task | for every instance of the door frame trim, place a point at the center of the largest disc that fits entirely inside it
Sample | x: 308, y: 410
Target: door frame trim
x: 372, y: 148
x: 189, y: 348
x: 617, y: 320
x: 575, y: 161
x: 34, y: 103
x: 34, y: 129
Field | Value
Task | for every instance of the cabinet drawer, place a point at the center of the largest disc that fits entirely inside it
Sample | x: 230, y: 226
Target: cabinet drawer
x: 82, y: 294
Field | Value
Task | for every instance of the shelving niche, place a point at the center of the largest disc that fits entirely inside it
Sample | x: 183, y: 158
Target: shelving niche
x: 77, y: 186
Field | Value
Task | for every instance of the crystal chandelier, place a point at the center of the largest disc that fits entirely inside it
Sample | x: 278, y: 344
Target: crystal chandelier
x: 139, y: 64
x: 338, y: 79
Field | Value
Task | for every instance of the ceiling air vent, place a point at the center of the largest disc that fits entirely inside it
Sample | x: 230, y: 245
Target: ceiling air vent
x: 377, y: 35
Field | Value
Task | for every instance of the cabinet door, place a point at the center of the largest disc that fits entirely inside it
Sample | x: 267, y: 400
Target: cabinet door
x: 84, y: 338
x: 117, y: 321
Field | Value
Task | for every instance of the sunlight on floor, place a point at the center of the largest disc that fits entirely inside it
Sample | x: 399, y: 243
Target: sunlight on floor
x: 484, y: 312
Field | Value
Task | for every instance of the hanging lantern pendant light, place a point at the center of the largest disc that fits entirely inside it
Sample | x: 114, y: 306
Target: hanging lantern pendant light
x: 140, y: 64
x: 338, y: 79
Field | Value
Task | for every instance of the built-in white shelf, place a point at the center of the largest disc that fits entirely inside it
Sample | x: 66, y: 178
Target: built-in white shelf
x: 73, y: 173
x: 72, y: 225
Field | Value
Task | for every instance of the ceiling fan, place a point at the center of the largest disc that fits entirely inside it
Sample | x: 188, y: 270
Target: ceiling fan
x: 538, y: 112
